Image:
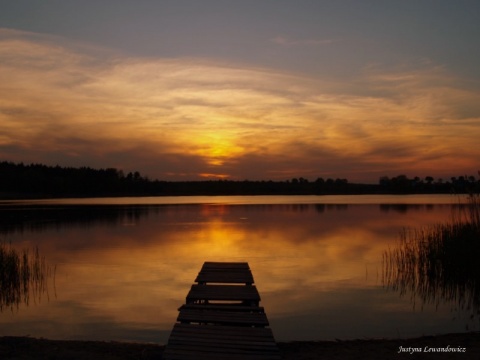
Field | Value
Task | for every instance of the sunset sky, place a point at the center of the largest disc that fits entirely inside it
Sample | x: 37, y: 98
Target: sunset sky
x: 259, y: 90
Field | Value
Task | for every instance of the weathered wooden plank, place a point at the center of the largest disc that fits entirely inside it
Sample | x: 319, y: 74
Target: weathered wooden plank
x: 221, y: 330
x: 223, y: 293
x: 231, y: 342
x: 225, y: 265
x: 224, y: 307
x: 238, y: 277
x: 223, y: 345
x: 237, y: 272
x: 219, y: 349
x: 239, y: 337
x: 195, y: 355
x: 222, y: 317
x: 198, y: 354
x: 233, y: 270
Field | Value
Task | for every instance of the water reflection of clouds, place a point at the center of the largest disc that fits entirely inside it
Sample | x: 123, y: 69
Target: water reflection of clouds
x: 71, y: 319
x: 44, y: 217
x: 349, y: 312
x: 308, y: 264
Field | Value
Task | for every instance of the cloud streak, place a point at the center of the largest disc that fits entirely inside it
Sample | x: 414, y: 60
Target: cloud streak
x: 288, y: 41
x: 174, y: 119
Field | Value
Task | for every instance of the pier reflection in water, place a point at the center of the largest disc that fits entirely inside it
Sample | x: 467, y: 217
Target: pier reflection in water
x: 122, y: 270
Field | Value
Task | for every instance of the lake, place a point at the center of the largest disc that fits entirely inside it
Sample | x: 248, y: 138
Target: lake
x: 119, y: 268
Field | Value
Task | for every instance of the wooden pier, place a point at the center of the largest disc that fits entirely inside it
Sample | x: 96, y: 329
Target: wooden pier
x: 221, y: 318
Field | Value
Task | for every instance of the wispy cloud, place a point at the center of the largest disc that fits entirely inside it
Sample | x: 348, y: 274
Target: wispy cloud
x: 181, y: 118
x: 288, y: 41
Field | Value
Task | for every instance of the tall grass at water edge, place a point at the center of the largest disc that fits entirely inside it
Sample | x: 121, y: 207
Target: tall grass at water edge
x: 23, y: 275
x: 439, y: 263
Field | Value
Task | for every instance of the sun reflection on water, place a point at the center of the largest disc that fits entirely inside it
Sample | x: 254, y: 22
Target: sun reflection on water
x: 316, y: 268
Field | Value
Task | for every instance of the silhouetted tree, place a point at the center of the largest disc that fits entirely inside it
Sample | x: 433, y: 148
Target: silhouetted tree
x: 37, y: 180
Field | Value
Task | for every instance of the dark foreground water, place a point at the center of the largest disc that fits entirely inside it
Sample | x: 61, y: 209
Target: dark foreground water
x: 120, y: 268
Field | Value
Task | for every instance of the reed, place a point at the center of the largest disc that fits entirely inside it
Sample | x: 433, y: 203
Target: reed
x: 22, y: 276
x: 439, y: 263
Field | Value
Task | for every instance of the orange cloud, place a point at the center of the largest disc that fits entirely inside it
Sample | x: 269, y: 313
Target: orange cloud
x: 181, y: 118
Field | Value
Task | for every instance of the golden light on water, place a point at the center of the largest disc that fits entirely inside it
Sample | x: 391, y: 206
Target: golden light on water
x: 134, y: 271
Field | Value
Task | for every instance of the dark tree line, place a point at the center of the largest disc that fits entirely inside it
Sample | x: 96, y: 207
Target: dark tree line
x: 41, y: 181
x: 401, y: 184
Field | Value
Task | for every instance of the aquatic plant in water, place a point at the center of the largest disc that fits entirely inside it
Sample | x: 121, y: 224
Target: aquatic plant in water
x: 439, y: 263
x: 23, y: 275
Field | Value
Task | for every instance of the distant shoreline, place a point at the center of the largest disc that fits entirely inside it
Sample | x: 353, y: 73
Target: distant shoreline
x: 37, y: 197
x: 458, y: 345
x: 37, y: 181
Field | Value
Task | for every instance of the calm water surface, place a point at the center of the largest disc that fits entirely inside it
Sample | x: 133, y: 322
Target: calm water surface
x: 123, y: 266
